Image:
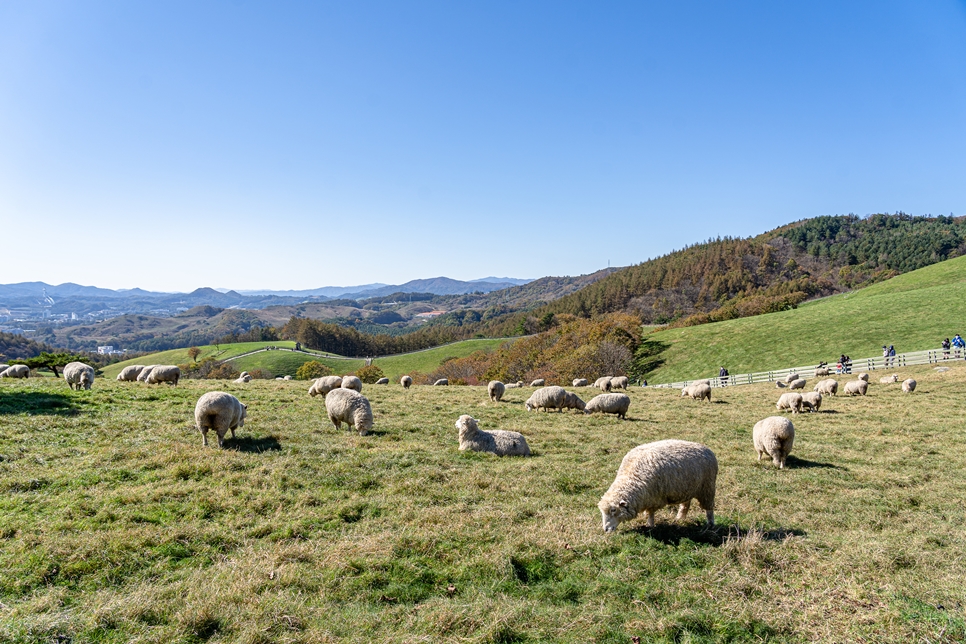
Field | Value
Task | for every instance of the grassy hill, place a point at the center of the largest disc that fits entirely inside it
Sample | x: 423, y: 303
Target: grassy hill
x: 117, y: 526
x: 914, y: 311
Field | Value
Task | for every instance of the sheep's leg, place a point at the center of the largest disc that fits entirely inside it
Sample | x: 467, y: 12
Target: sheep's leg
x: 683, y: 510
x: 204, y: 436
x: 759, y: 455
x: 649, y: 515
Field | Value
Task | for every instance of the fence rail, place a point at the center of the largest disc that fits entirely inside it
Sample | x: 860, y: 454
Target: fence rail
x: 929, y: 356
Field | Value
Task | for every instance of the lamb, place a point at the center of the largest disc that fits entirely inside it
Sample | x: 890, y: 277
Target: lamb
x: 130, y: 373
x: 406, y: 382
x: 609, y: 404
x: 352, y: 382
x: 774, y: 436
x: 909, y: 385
x: 164, y: 373
x: 143, y: 376
x: 820, y: 371
x: 243, y: 378
x: 442, y: 382
x: 579, y: 382
x: 651, y: 476
x: 539, y: 382
x: 863, y: 376
x: 889, y: 379
x: 499, y: 442
x: 16, y: 371
x: 221, y: 412
x: 790, y: 401
x: 382, y: 381
x: 619, y: 382
x: 496, y: 390
x: 856, y: 387
x: 828, y: 387
x: 554, y: 398
x: 350, y: 407
x: 697, y: 392
x: 812, y: 400
x: 79, y: 375
x: 324, y: 385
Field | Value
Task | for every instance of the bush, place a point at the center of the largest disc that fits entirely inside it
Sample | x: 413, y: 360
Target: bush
x: 313, y: 369
x: 370, y: 374
x: 261, y: 374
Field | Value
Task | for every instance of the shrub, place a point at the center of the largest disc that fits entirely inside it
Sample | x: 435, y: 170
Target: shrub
x: 311, y: 370
x: 370, y: 374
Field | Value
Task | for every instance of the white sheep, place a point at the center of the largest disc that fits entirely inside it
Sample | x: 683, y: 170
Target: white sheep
x: 828, y: 387
x: 352, y: 382
x: 79, y: 375
x: 130, y: 373
x: 382, y: 381
x: 812, y: 400
x: 16, y: 371
x: 609, y: 404
x: 539, y: 382
x: 579, y: 382
x: 821, y: 371
x: 406, y: 382
x: 496, y: 390
x: 553, y: 397
x: 798, y: 383
x: 499, y: 442
x: 654, y: 475
x: 790, y: 401
x: 514, y: 385
x: 909, y: 385
x: 863, y: 377
x: 324, y: 385
x: 221, y: 412
x: 604, y: 384
x: 889, y: 379
x: 164, y: 373
x: 706, y: 381
x: 774, y: 436
x: 143, y: 376
x: 697, y: 392
x: 618, y: 382
x: 3, y: 367
x: 243, y: 378
x: 350, y: 407
x: 856, y: 387
x: 790, y: 378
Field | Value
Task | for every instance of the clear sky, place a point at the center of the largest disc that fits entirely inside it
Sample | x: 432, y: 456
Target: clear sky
x: 288, y: 145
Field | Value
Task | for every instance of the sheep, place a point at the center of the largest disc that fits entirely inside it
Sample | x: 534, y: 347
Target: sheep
x: 406, y: 382
x: 697, y: 392
x: 654, y: 475
x: 856, y: 387
x: 604, y: 384
x: 286, y: 377
x: 790, y: 378
x: 382, y: 381
x: 79, y: 375
x: 143, y: 376
x: 324, y: 385
x: 820, y: 371
x: 352, y: 382
x: 812, y: 400
x: 442, y: 382
x: 496, y: 390
x: 797, y: 384
x: 774, y: 436
x: 863, y: 377
x: 514, y: 385
x: 499, y: 442
x: 909, y: 385
x: 16, y: 371
x: 3, y: 367
x: 539, y: 382
x: 790, y: 401
x: 828, y: 387
x: 554, y: 398
x: 164, y: 373
x: 221, y: 412
x: 130, y: 373
x: 609, y: 404
x: 350, y: 407
x: 579, y: 382
x: 243, y: 378
x: 619, y: 382
x: 889, y: 379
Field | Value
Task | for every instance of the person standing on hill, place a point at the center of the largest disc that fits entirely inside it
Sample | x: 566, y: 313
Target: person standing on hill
x: 723, y: 375
x: 892, y: 355
x: 958, y: 343
x: 946, y: 349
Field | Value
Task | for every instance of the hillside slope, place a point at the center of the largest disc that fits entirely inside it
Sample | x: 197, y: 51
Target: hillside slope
x: 914, y: 311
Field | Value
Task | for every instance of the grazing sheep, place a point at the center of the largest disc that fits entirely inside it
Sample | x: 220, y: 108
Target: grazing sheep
x: 143, y: 376
x: 382, y: 381
x: 324, y: 385
x: 863, y: 377
x: 889, y: 379
x: 909, y: 385
x: 406, y: 382
x: 790, y: 401
x: 619, y: 382
x: 496, y: 389
x: 514, y: 385
x: 812, y: 400
x: 16, y: 371
x: 609, y: 404
x: 79, y: 375
x: 553, y: 397
x: 580, y: 382
x: 243, y: 378
x: 790, y: 378
x: 499, y: 442
x: 539, y: 382
x: 221, y: 412
x: 604, y: 384
x: 352, y: 382
x: 697, y: 392
x: 442, y: 382
x: 350, y: 407
x: 164, y: 373
x: 130, y: 373
x: 654, y: 475
x: 820, y: 371
x: 828, y: 387
x: 706, y: 381
x: 856, y: 387
x: 797, y: 384
x: 774, y: 436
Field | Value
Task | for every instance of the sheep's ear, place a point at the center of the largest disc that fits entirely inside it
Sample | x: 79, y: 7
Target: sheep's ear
x: 244, y: 406
x: 623, y: 503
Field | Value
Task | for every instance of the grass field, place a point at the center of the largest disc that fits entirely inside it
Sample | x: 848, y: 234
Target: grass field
x: 914, y: 311
x: 117, y: 526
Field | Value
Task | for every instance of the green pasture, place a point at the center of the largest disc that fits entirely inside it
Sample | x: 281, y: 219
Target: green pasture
x: 180, y: 356
x: 116, y: 525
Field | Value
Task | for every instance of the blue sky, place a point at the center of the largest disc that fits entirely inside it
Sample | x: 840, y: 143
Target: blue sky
x: 295, y: 145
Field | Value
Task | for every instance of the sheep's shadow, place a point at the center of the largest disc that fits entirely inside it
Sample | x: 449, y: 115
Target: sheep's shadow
x: 794, y: 462
x: 36, y: 403
x: 829, y: 411
x: 672, y: 534
x: 252, y: 445
x: 721, y: 402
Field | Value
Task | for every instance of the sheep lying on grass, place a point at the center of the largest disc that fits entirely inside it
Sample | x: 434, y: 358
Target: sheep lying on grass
x: 828, y: 387
x: 579, y: 382
x: 514, y: 385
x: 609, y: 404
x: 350, y: 407
x: 654, y: 475
x: 774, y: 436
x: 909, y: 385
x: 130, y: 373
x: 406, y: 382
x: 495, y: 389
x: 221, y: 412
x: 382, y: 381
x: 812, y: 400
x: 352, y: 382
x: 697, y: 392
x: 856, y: 387
x: 442, y: 382
x: 16, y: 371
x: 79, y: 375
x: 499, y: 442
x: 242, y: 378
x: 554, y: 397
x: 164, y: 373
x: 324, y: 385
x: 539, y: 382
x: 885, y: 380
x: 792, y: 402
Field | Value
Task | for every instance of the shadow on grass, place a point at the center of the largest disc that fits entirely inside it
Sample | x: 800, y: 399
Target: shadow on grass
x: 36, y: 403
x: 253, y: 445
x: 801, y: 463
x: 721, y: 402
x: 672, y: 533
x: 829, y: 411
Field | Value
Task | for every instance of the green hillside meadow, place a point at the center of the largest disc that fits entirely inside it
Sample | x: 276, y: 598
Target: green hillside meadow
x: 116, y: 525
x: 914, y: 311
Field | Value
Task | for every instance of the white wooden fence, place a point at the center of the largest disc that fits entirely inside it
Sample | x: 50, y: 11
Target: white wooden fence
x: 930, y: 356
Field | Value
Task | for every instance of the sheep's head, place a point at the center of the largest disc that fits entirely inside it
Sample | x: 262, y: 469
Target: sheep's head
x: 241, y: 421
x: 528, y: 406
x: 613, y: 513
x: 466, y: 425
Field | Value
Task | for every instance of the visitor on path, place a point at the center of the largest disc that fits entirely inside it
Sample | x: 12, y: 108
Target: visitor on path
x: 892, y: 355
x: 958, y: 343
x: 723, y: 375
x: 946, y: 349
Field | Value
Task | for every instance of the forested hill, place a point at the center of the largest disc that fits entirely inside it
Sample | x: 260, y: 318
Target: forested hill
x: 729, y: 278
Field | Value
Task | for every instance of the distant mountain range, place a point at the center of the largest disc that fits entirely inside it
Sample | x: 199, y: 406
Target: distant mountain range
x: 434, y: 285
